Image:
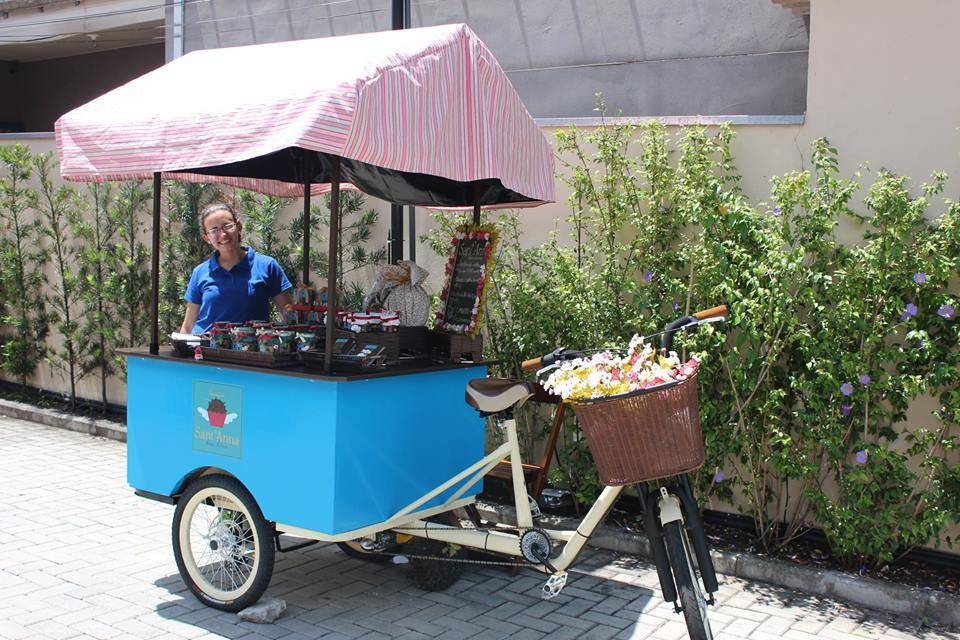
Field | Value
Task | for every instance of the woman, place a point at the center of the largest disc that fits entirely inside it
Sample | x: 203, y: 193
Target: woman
x: 236, y: 284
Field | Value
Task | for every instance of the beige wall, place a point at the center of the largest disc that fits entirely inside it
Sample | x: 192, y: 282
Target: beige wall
x: 883, y: 84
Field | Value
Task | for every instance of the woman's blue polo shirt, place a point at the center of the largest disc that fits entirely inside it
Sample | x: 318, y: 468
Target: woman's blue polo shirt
x: 237, y: 295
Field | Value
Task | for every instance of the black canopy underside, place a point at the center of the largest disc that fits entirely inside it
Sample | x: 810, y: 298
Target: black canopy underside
x: 298, y: 166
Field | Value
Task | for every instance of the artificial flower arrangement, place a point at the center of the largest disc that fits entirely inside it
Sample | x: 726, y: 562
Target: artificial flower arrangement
x: 488, y: 234
x: 608, y: 373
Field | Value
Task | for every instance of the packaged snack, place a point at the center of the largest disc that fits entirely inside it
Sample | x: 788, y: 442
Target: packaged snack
x: 221, y: 337
x: 244, y: 338
x: 287, y: 340
x: 268, y: 342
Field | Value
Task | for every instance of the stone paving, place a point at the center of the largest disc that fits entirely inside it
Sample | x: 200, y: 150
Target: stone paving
x: 82, y: 557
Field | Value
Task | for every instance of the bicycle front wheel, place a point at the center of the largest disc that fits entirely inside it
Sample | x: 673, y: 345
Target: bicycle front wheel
x: 688, y: 584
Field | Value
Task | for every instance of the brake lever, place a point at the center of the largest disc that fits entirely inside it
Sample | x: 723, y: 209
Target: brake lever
x: 549, y: 367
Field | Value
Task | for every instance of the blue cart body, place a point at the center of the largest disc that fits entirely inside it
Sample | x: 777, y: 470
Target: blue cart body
x: 324, y: 454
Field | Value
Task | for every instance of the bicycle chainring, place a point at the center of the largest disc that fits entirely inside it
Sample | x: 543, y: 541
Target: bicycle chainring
x: 534, y: 545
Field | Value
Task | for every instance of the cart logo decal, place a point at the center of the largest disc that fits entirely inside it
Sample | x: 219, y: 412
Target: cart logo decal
x: 217, y: 418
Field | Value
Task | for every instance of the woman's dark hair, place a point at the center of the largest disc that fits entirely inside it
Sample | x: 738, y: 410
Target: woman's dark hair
x: 213, y: 208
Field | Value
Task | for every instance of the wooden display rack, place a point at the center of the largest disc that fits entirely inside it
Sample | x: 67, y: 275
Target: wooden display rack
x: 452, y: 347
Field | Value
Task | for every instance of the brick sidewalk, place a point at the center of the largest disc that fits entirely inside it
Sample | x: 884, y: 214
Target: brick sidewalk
x: 82, y: 557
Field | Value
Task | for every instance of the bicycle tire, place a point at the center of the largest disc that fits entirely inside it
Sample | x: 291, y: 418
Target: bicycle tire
x: 205, y: 493
x: 693, y: 603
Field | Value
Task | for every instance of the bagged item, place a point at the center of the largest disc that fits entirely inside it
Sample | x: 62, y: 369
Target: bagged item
x: 398, y: 287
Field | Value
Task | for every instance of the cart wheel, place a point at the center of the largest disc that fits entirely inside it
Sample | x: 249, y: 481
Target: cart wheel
x: 222, y: 544
x: 434, y: 575
x: 354, y: 550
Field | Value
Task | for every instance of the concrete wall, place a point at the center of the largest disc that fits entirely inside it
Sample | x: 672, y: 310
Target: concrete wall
x: 648, y: 57
x: 47, y: 89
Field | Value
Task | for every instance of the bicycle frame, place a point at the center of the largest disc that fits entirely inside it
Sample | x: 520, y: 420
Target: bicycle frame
x: 499, y: 541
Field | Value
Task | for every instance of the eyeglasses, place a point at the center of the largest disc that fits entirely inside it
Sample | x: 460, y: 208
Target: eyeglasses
x: 228, y: 227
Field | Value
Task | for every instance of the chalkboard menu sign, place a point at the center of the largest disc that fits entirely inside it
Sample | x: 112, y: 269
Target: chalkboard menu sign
x: 461, y: 301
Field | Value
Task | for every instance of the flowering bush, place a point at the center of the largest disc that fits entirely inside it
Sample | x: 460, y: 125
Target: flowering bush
x: 804, y: 395
x: 608, y: 373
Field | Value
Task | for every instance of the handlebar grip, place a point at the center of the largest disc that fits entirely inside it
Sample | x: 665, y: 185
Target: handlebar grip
x: 716, y: 312
x: 530, y: 365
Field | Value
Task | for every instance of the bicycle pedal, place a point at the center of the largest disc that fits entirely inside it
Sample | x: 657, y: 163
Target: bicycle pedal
x: 534, y: 508
x: 554, y: 585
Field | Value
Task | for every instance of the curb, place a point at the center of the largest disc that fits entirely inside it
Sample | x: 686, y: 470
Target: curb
x: 53, y: 418
x: 933, y: 606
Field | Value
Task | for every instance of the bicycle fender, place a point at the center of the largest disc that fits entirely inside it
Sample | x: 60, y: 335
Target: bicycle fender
x: 669, y: 509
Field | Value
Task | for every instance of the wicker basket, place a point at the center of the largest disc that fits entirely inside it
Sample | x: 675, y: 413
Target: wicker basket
x: 645, y: 435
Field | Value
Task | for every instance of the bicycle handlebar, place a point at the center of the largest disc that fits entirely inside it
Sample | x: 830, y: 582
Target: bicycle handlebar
x: 547, y: 359
x: 720, y: 312
x: 531, y: 365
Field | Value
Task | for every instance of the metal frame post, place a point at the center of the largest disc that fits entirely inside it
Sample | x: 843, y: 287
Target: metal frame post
x: 306, y: 231
x: 332, y: 268
x: 155, y: 270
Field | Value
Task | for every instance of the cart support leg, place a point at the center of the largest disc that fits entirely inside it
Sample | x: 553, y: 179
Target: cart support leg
x: 332, y: 263
x: 155, y: 270
x: 306, y: 231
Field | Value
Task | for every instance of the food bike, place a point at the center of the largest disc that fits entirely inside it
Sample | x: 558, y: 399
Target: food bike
x: 362, y: 458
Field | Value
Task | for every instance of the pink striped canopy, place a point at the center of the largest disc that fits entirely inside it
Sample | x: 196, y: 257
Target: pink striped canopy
x: 414, y: 114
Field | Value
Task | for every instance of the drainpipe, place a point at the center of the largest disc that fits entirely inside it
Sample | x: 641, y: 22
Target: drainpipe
x: 177, y: 39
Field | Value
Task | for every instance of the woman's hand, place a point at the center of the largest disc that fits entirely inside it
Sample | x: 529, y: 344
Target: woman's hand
x: 190, y: 317
x: 283, y: 301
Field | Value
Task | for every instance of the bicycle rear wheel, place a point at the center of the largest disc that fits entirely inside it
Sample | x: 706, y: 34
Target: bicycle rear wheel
x: 688, y: 584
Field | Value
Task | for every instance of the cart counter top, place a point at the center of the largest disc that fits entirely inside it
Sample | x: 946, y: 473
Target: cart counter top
x: 299, y: 371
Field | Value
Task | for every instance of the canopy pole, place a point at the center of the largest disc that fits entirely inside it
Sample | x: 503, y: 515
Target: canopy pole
x: 332, y: 266
x: 155, y: 270
x: 306, y: 231
x: 477, y: 195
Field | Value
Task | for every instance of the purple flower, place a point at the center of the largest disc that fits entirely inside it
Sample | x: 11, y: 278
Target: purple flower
x: 946, y: 311
x: 776, y: 211
x: 648, y: 276
x: 920, y: 277
x: 718, y: 477
x: 865, y: 379
x: 846, y: 409
x: 676, y: 306
x: 846, y: 388
x: 862, y: 456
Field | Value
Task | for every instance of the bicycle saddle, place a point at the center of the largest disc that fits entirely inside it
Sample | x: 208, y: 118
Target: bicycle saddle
x: 492, y: 395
